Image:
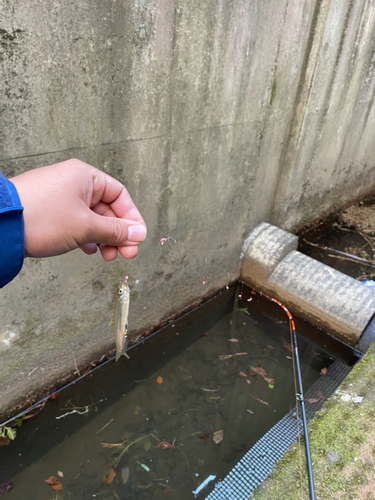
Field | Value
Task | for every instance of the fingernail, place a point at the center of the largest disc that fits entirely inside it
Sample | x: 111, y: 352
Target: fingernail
x: 137, y: 233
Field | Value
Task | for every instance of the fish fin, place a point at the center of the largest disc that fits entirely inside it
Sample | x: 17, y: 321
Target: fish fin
x: 124, y: 349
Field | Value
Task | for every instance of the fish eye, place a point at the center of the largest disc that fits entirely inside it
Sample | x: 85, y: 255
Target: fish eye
x: 119, y: 292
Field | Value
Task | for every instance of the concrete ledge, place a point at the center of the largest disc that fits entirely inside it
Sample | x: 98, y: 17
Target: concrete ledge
x: 264, y: 249
x: 325, y: 297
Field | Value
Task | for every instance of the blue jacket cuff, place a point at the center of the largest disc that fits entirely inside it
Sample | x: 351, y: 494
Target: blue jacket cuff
x: 12, y: 240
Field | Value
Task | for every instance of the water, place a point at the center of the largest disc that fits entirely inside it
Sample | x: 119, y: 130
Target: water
x: 126, y: 411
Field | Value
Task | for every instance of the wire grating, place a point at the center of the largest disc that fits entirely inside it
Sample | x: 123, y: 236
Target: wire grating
x: 258, y: 462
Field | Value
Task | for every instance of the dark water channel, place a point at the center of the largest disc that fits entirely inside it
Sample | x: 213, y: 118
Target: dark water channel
x: 126, y: 412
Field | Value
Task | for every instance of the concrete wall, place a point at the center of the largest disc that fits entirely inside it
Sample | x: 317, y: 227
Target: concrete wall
x: 217, y: 115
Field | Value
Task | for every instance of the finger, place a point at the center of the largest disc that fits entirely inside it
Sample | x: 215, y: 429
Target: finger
x: 108, y: 252
x: 128, y: 252
x: 89, y: 248
x: 112, y: 192
x: 111, y: 230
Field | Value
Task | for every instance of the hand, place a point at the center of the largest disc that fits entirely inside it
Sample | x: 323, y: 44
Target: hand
x: 73, y: 205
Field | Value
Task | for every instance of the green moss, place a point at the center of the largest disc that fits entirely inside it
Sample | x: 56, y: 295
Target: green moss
x: 343, y: 454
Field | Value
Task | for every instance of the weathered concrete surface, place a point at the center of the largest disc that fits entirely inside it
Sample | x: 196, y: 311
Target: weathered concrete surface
x: 324, y: 296
x: 342, y: 445
x: 216, y: 115
x: 263, y: 250
x: 330, y: 299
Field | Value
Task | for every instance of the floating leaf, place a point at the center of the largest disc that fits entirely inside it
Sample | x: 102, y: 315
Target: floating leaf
x: 270, y: 381
x: 54, y: 483
x: 271, y: 386
x: 4, y: 441
x: 165, y: 445
x: 312, y: 400
x: 242, y: 374
x: 205, y: 437
x: 323, y: 371
x: 247, y: 381
x: 59, y: 473
x: 110, y: 476
x: 159, y: 380
x: 218, y: 436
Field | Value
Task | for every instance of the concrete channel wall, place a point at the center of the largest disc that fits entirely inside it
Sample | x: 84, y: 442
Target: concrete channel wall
x: 216, y: 115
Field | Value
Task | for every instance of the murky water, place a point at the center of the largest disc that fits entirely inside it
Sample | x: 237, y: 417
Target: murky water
x: 182, y: 387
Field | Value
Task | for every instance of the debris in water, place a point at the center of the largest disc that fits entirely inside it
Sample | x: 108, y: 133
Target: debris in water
x: 271, y: 386
x: 323, y: 371
x: 261, y: 371
x: 4, y: 441
x: 165, y: 445
x: 137, y: 410
x: 321, y: 395
x: 159, y: 380
x: 147, y: 469
x: 203, y: 485
x: 110, y: 476
x: 226, y: 356
x: 232, y: 340
x: 54, y: 483
x: 59, y: 473
x: 260, y: 400
x: 250, y: 412
x: 312, y: 400
x: 205, y: 437
x: 104, y: 426
x: 145, y: 486
x: 205, y: 334
x: 113, y: 445
x: 243, y: 374
x: 6, y: 487
x: 218, y: 436
x: 125, y: 473
x: 287, y: 345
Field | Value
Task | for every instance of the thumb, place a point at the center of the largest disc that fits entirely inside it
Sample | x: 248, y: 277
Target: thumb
x: 114, y: 231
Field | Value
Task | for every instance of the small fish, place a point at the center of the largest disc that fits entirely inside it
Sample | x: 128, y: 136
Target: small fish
x: 120, y: 318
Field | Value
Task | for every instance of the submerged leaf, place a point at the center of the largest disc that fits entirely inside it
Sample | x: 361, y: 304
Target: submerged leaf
x: 6, y: 487
x: 312, y: 400
x: 323, y: 371
x: 259, y: 370
x: 165, y: 445
x: 4, y: 441
x: 110, y: 476
x: 218, y: 436
x: 159, y: 380
x: 321, y: 395
x: 232, y: 340
x: 54, y: 483
x: 205, y: 437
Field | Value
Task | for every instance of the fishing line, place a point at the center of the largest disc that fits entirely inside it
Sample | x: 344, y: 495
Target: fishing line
x: 300, y: 398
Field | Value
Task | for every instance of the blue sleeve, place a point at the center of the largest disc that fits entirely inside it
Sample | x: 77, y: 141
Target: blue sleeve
x: 12, y: 242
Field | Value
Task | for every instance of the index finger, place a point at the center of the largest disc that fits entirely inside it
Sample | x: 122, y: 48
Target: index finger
x: 112, y: 192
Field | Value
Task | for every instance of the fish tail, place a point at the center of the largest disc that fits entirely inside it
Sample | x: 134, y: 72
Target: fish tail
x: 123, y: 352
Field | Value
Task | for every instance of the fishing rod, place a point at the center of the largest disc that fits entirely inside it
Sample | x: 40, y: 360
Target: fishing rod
x: 301, y: 398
